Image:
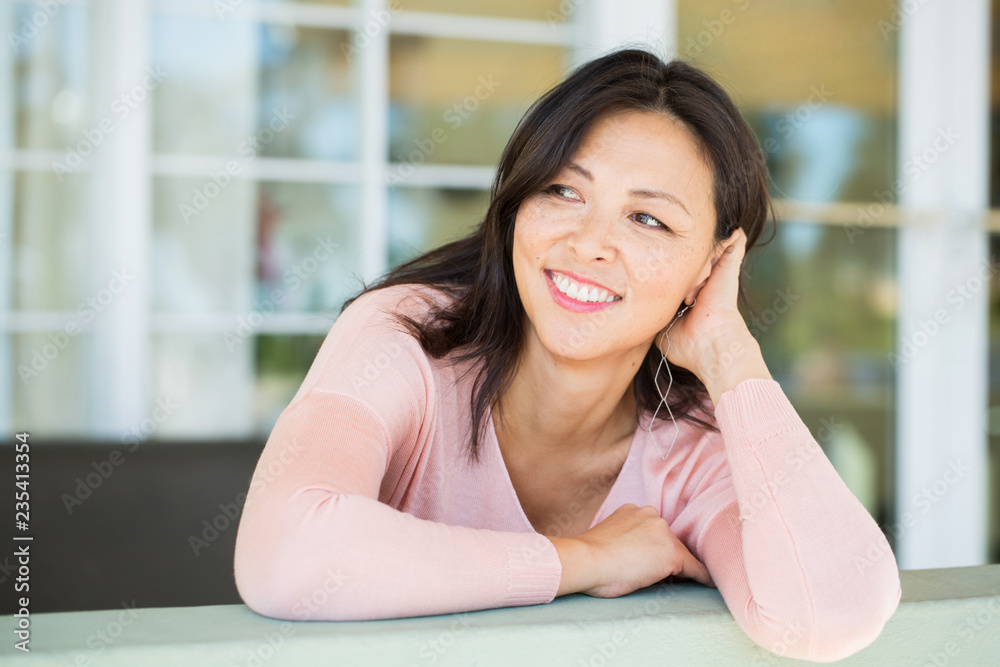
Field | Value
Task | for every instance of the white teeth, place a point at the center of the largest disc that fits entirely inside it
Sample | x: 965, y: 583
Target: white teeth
x: 588, y: 294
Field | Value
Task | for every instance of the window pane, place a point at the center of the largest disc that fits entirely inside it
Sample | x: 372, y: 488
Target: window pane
x: 282, y: 363
x: 245, y: 89
x: 421, y: 219
x: 53, y: 254
x: 209, y: 381
x: 826, y: 317
x: 828, y: 132
x: 50, y: 61
x: 458, y: 101
x: 232, y: 252
x: 50, y: 390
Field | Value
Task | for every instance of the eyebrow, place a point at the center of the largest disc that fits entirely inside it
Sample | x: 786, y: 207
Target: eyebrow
x: 635, y: 192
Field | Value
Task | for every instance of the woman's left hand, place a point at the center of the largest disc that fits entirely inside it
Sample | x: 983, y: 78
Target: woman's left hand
x: 714, y: 320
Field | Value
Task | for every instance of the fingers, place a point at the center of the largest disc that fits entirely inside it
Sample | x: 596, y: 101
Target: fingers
x: 692, y: 568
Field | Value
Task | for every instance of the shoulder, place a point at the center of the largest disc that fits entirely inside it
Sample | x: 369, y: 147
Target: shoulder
x: 384, y: 304
x: 369, y: 350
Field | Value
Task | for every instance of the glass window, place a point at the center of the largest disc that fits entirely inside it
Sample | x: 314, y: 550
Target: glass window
x: 824, y: 291
x: 456, y: 101
x: 422, y: 219
x: 247, y: 89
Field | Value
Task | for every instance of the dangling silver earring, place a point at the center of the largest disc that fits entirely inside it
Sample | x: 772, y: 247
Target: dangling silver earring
x: 663, y: 397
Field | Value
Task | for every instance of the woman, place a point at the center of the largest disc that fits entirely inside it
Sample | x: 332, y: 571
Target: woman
x: 487, y: 426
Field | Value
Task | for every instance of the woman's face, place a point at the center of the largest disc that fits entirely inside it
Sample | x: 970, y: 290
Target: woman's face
x: 631, y: 217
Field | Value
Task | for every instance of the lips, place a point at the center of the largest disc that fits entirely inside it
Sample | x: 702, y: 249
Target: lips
x: 581, y: 290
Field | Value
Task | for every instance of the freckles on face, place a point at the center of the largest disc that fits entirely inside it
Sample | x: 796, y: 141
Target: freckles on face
x: 627, y: 232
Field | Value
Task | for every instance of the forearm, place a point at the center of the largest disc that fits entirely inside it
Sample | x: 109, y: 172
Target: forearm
x: 729, y: 362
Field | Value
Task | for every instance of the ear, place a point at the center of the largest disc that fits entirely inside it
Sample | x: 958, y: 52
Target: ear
x: 706, y: 270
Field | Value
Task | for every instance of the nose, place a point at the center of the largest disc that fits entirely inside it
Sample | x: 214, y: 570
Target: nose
x: 592, y: 238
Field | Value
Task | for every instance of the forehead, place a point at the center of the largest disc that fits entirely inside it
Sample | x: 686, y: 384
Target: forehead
x: 641, y: 150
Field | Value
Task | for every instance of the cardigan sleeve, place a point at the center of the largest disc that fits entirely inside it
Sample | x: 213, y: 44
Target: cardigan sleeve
x: 801, y: 564
x: 315, y: 542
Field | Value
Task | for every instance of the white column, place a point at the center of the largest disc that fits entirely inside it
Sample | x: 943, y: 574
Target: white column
x: 372, y: 80
x: 121, y: 217
x: 604, y: 25
x: 941, y: 447
x: 7, y: 376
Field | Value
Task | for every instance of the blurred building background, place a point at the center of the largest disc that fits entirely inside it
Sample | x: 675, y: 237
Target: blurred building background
x: 190, y: 189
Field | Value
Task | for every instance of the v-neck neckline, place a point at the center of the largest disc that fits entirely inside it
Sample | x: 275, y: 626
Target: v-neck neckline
x: 494, y: 447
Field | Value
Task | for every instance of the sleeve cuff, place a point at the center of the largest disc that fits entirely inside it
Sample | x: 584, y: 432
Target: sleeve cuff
x: 535, y: 569
x: 755, y: 410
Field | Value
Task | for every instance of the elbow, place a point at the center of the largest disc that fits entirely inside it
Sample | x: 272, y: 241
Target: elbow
x: 278, y: 575
x: 843, y: 630
x: 259, y: 581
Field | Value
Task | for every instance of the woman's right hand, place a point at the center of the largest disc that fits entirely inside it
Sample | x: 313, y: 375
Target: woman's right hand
x: 631, y: 549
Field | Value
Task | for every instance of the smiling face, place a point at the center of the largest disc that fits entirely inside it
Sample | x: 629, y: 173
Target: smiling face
x: 631, y: 217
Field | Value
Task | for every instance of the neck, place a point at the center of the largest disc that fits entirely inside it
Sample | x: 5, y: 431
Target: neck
x: 554, y: 407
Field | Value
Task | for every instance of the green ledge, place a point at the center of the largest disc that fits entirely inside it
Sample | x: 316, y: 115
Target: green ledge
x: 948, y: 616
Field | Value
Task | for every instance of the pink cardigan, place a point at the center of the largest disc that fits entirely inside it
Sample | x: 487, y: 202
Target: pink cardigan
x: 363, y: 505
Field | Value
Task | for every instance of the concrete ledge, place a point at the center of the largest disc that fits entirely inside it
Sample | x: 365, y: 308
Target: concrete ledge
x: 946, y: 617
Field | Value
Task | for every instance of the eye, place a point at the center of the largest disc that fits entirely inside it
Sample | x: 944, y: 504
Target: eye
x: 556, y: 189
x: 650, y: 221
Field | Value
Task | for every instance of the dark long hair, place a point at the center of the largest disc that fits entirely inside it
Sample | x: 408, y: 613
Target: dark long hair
x: 484, y: 320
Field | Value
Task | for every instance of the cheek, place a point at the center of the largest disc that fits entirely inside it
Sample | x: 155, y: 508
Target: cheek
x: 533, y: 234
